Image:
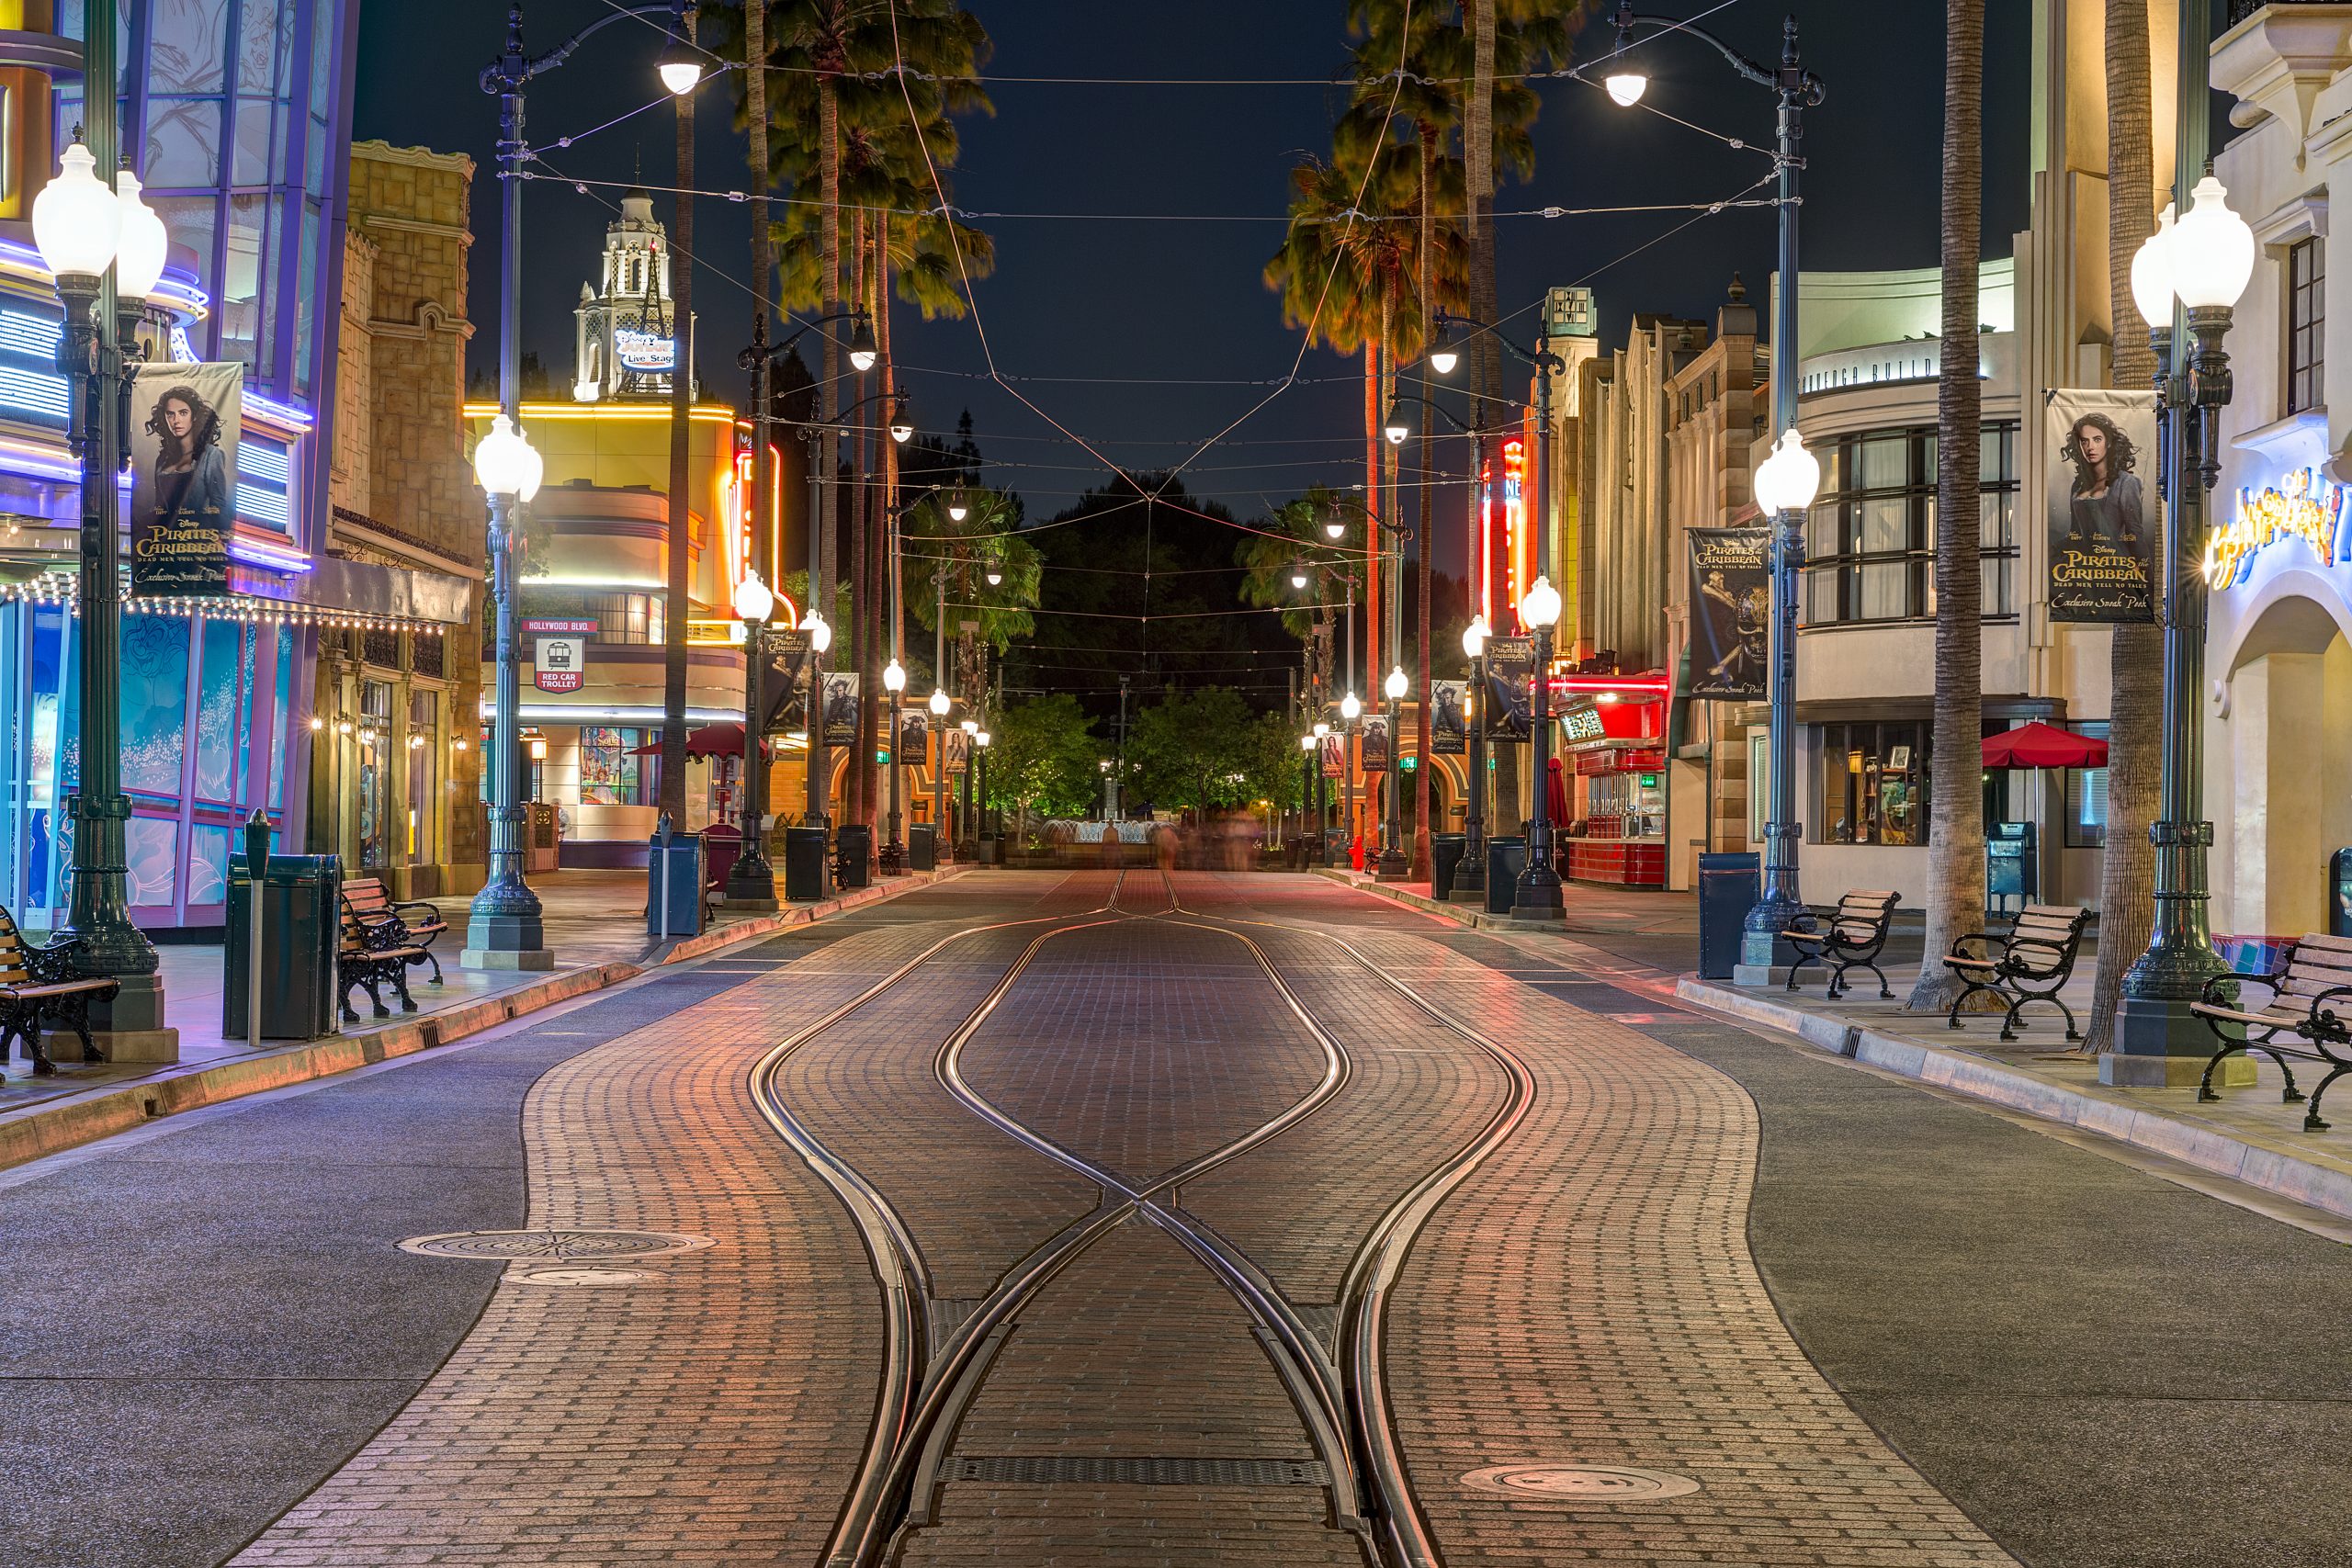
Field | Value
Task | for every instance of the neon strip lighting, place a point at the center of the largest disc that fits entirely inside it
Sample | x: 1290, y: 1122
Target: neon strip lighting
x: 30, y: 335
x: 40, y: 462
x: 277, y: 557
x: 255, y: 501
x: 265, y: 461
x: 32, y: 391
x: 706, y: 413
x: 286, y: 415
x: 1647, y: 686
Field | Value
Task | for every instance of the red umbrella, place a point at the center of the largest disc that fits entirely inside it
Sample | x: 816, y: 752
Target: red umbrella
x: 2039, y: 745
x: 710, y: 741
x: 1555, y: 794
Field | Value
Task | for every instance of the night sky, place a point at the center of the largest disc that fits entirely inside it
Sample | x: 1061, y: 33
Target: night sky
x: 1150, y: 336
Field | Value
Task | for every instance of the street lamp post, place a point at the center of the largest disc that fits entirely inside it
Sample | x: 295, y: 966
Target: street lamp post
x: 1322, y: 798
x: 1537, y: 896
x: 1392, y: 864
x: 1351, y: 709
x: 971, y: 728
x: 504, y: 931
x: 894, y: 681
x: 1470, y: 876
x: 1797, y: 90
x: 751, y: 881
x: 943, y: 843
x: 105, y: 248
x: 2191, y: 272
x: 980, y: 797
x: 1785, y: 484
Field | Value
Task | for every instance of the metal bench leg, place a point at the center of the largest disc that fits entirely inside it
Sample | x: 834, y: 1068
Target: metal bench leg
x: 400, y: 984
x: 74, y: 1014
x: 2312, y: 1122
x: 347, y: 983
x: 1951, y: 1019
x: 1885, y: 991
x: 436, y: 966
x: 1804, y: 958
x: 2231, y: 1048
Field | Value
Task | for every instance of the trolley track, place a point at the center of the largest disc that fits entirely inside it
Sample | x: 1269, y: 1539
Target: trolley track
x: 1339, y: 1391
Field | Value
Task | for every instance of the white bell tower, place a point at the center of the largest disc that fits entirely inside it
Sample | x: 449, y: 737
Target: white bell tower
x: 627, y: 339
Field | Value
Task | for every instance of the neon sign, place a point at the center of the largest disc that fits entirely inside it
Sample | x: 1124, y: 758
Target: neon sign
x: 643, y: 351
x: 2304, y: 505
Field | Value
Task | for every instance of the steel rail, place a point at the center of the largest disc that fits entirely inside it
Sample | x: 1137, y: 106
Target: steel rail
x: 899, y: 1271
x: 1372, y: 1274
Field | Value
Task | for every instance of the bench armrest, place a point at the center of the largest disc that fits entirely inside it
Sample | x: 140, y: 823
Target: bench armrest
x: 1984, y: 942
x: 431, y: 911
x: 2223, y: 988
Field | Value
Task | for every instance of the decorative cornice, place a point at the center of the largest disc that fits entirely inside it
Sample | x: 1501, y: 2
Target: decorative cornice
x: 381, y: 152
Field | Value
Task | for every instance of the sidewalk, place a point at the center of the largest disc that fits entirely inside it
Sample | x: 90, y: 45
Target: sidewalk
x: 2248, y: 1136
x: 594, y: 927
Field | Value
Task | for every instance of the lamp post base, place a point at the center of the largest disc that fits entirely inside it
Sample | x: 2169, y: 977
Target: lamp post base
x: 505, y: 941
x: 503, y: 958
x: 1538, y: 897
x: 2159, y: 1043
x: 1393, y: 866
x: 131, y: 1028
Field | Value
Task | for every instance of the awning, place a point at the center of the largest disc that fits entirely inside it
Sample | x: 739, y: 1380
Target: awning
x: 2039, y: 745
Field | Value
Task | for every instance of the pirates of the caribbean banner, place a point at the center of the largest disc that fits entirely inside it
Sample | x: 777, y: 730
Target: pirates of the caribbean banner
x: 1510, y: 666
x: 1731, y: 612
x: 2102, y: 504
x: 1449, y: 735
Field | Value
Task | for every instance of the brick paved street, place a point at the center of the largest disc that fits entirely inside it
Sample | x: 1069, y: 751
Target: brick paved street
x: 1829, y: 1319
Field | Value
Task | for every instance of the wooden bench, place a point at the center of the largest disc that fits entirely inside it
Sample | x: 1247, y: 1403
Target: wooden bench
x: 40, y: 987
x: 2032, y: 963
x: 1851, y: 939
x: 372, y: 902
x: 369, y: 955
x: 2311, y: 999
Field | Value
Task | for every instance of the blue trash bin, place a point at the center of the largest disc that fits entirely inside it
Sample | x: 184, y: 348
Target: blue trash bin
x: 675, y: 882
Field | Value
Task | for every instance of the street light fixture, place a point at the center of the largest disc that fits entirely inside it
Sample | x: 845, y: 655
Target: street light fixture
x: 1393, y: 423
x: 861, y: 350
x: 506, y: 918
x: 1394, y: 867
x: 2203, y: 261
x: 1443, y: 355
x: 819, y: 630
x: 1784, y: 486
x: 1298, y: 574
x: 139, y: 258
x: 680, y: 66
x: 1351, y: 708
x: 959, y: 506
x: 1470, y: 876
x: 902, y: 428
x: 1538, y: 894
x: 939, y: 702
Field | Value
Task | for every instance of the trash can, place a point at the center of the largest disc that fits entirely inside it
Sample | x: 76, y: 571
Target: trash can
x: 675, y: 877
x: 1445, y: 858
x: 1506, y: 860
x: 853, y: 844
x: 1729, y: 884
x: 922, y: 847
x: 302, y: 927
x: 804, y: 864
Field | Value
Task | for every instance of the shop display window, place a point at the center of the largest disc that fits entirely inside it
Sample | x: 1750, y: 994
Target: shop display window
x: 1874, y: 784
x: 609, y: 774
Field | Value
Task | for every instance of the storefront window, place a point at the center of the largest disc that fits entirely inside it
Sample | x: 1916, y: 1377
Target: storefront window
x: 608, y: 773
x: 1869, y: 540
x: 1874, y: 784
x: 374, y: 742
x: 2306, y: 324
x: 154, y: 703
x: 2086, y: 800
x: 424, y: 796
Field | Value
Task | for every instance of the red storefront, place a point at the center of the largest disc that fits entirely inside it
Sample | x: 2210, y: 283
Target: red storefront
x: 1613, y: 743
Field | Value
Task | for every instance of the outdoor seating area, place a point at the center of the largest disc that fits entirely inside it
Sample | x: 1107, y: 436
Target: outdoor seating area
x: 1849, y: 937
x: 371, y: 955
x: 2032, y: 963
x: 2303, y: 1002
x: 40, y: 990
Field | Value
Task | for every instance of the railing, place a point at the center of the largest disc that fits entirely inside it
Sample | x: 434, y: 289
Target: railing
x: 2239, y: 10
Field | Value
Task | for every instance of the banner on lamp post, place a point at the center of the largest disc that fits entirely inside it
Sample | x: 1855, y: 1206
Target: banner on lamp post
x: 1731, y: 612
x: 841, y: 707
x: 955, y: 749
x: 1449, y: 730
x: 1374, y: 753
x: 185, y: 421
x: 914, y: 737
x: 784, y: 669
x: 2102, y: 522
x: 1511, y: 670
x: 1334, y: 754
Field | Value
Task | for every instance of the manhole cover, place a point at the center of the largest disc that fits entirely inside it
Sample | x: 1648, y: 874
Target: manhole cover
x: 584, y: 1277
x: 556, y: 1245
x: 1579, y: 1482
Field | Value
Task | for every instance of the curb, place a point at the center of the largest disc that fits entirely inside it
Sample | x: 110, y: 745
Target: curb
x: 1461, y: 914
x: 2206, y: 1148
x: 41, y: 1130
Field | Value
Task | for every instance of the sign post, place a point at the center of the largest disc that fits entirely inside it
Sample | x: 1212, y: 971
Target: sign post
x: 560, y: 653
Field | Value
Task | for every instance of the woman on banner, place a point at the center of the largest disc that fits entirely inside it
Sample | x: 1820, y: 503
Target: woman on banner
x: 2107, y: 501
x: 191, y: 471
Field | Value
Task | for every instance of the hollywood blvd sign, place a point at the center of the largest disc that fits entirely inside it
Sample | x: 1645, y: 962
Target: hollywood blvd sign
x: 2306, y: 504
x: 559, y: 658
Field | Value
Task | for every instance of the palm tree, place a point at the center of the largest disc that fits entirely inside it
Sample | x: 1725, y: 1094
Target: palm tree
x: 2135, y: 668
x: 1956, y: 828
x: 1290, y: 539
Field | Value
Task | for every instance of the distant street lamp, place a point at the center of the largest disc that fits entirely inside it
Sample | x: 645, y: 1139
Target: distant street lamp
x: 1538, y: 896
x: 752, y: 879
x: 894, y: 680
x: 2193, y: 271
x: 504, y: 930
x: 1470, y: 876
x: 1392, y: 864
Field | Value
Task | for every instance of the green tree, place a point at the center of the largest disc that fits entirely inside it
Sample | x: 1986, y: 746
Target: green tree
x: 1194, y: 750
x: 1290, y: 539
x: 960, y: 557
x: 1042, y: 756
